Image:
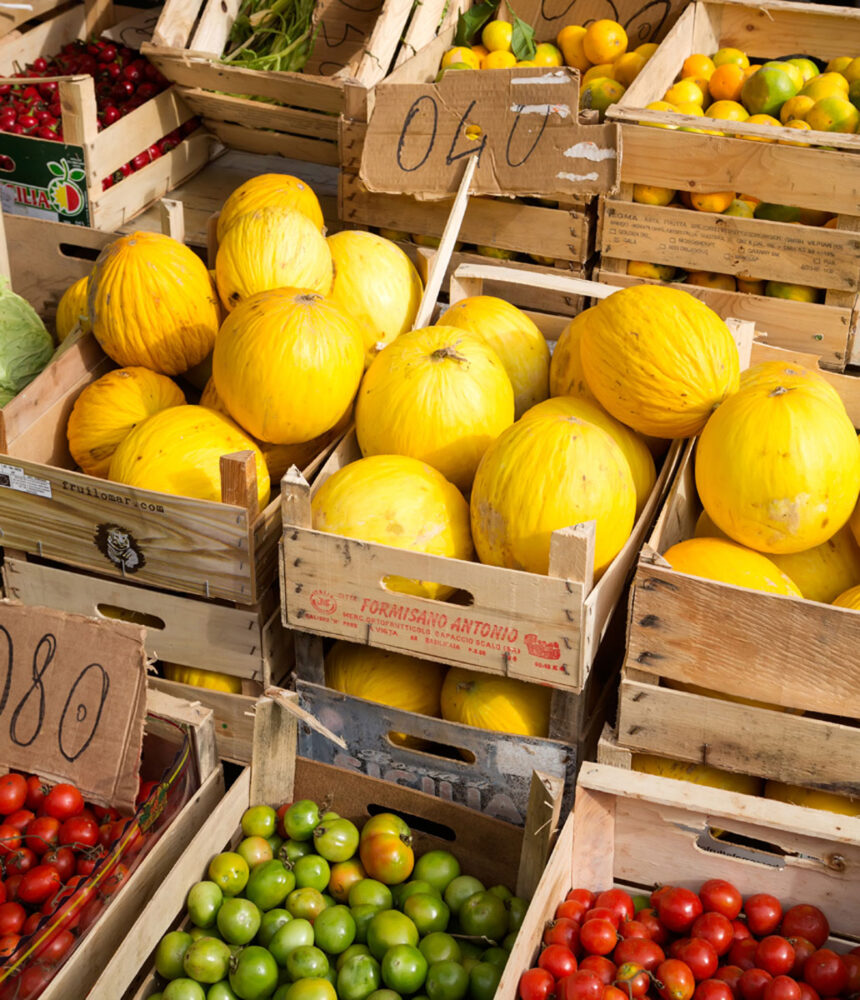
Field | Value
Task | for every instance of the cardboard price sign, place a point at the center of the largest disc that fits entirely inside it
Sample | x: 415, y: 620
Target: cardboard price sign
x: 522, y: 124
x: 73, y: 700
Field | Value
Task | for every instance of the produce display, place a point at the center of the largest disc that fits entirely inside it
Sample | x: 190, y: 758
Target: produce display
x: 309, y: 907
x: 26, y: 347
x: 677, y: 944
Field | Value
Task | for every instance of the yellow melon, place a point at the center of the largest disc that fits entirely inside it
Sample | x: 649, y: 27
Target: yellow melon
x: 270, y: 191
x: 811, y: 798
x: 698, y: 774
x: 566, y: 374
x: 392, y: 679
x: 72, y: 309
x: 726, y: 562
x: 500, y: 704
x: 212, y: 680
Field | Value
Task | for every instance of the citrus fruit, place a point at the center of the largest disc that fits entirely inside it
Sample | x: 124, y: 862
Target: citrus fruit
x: 729, y: 55
x: 787, y: 67
x: 833, y: 114
x: 646, y: 49
x: 798, y: 293
x: 602, y: 70
x: 690, y: 108
x: 807, y: 67
x: 795, y: 123
x: 826, y: 85
x: 479, y: 51
x: 852, y: 70
x: 525, y: 62
x: 660, y: 106
x: 740, y: 209
x: 795, y: 108
x: 460, y: 54
x: 569, y: 40
x: 838, y: 65
x: 496, y: 36
x: 648, y: 194
x: 726, y: 82
x: 765, y: 92
x: 642, y: 269
x: 854, y: 93
x: 604, y: 41
x: 748, y: 72
x: 500, y: 59
x: 777, y: 213
x: 698, y: 65
x: 546, y: 54
x: 727, y: 111
x: 626, y: 68
x: 750, y: 198
x: 600, y: 93
x: 710, y: 279
x: 684, y: 90
x: 762, y: 120
x: 717, y: 201
x: 752, y: 286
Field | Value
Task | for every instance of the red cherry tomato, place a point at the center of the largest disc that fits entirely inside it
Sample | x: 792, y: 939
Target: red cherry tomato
x: 87, y: 861
x: 802, y: 950
x: 602, y: 913
x: 12, y: 884
x: 807, y: 992
x: 742, y: 953
x: 20, y: 862
x: 12, y: 917
x: 571, y: 909
x: 661, y: 890
x: 678, y: 908
x: 581, y: 985
x: 36, y: 793
x: 63, y: 801
x: 720, y: 896
x: 79, y: 832
x: 633, y: 979
x: 802, y: 921
x: 10, y: 839
x: 113, y: 882
x: 618, y: 901
x: 39, y: 883
x: 598, y: 937
x: 716, y: 929
x: 675, y: 979
x: 740, y: 931
x: 562, y: 931
x: 713, y: 989
x: 13, y: 792
x: 557, y: 960
x: 781, y: 988
x: 600, y: 966
x: 53, y: 950
x: 63, y: 859
x: 633, y: 928
x: 613, y: 993
x: 656, y: 931
x: 730, y: 975
x: 20, y: 819
x: 8, y: 943
x: 700, y: 956
x: 752, y: 983
x: 648, y: 954
x: 775, y: 955
x: 585, y: 896
x: 826, y: 972
x: 2, y: 892
x: 535, y: 984
x: 43, y: 834
x: 763, y: 913
x: 852, y: 965
x: 31, y: 923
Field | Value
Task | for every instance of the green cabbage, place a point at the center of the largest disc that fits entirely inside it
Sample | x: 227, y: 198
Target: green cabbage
x: 25, y: 345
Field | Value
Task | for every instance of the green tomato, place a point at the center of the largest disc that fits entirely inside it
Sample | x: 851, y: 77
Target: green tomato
x: 239, y: 920
x: 207, y: 960
x: 484, y: 915
x: 469, y: 962
x: 183, y: 989
x: 446, y: 981
x: 271, y: 922
x: 280, y: 993
x: 300, y: 819
x: 229, y: 871
x: 438, y: 868
x: 259, y: 821
x: 641, y: 902
x: 353, y: 949
x: 306, y: 903
x: 370, y: 892
x: 255, y: 850
x: 384, y: 995
x: 312, y: 872
x: 358, y: 978
x: 439, y: 947
x: 221, y: 991
x: 269, y: 884
x: 170, y: 953
x: 307, y: 962
x: 483, y: 981
x: 387, y: 823
x: 468, y: 949
x: 334, y: 929
x: 387, y: 929
x: 362, y: 915
x: 311, y: 989
x: 516, y: 907
x: 428, y: 912
x: 404, y: 969
x: 198, y: 933
x: 495, y: 956
x: 253, y: 974
x: 336, y: 839
x: 509, y: 942
x: 502, y: 891
x: 459, y: 889
x: 292, y: 850
x: 403, y: 891
x: 276, y: 842
x: 292, y: 935
x: 202, y: 903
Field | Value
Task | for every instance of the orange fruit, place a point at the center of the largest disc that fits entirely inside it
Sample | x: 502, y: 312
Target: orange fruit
x: 658, y: 272
x: 795, y: 108
x: 833, y: 114
x: 787, y: 67
x: 726, y: 82
x: 711, y: 279
x: 498, y: 59
x: 852, y: 70
x: 604, y: 70
x: 724, y: 57
x: 740, y: 209
x: 479, y: 51
x: 826, y: 85
x: 752, y: 286
x: 646, y: 49
x: 727, y: 111
x: 598, y: 94
x: 716, y: 202
x: 569, y: 40
x: 604, y: 41
x: 698, y: 65
x: 761, y: 120
x: 496, y: 36
x: 765, y: 92
x: 660, y: 106
x: 460, y: 54
x: 626, y: 68
x: 832, y: 223
x: 796, y: 123
x: 683, y: 91
x: 546, y: 54
x: 649, y: 194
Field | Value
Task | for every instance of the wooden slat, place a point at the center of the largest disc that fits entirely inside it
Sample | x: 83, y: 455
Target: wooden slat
x: 778, y: 27
x: 539, y: 834
x: 49, y: 36
x: 261, y: 115
x: 214, y: 28
x: 175, y: 22
x: 267, y: 143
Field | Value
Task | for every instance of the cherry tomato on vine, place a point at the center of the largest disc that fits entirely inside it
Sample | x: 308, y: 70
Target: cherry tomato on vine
x: 585, y: 896
x: 675, y: 979
x: 730, y: 975
x: 38, y: 884
x: 633, y: 928
x: 742, y: 953
x: 63, y: 801
x: 536, y: 984
x: 581, y: 985
x: 54, y: 949
x: 43, y: 834
x: 802, y: 950
x: 648, y: 954
x: 79, y: 832
x: 571, y: 909
x: 20, y: 819
x: 807, y: 992
x: 8, y: 943
x: 63, y: 859
x: 20, y: 862
x: 13, y: 793
x: 36, y: 792
x: 781, y: 988
x: 613, y: 993
x: 633, y: 978
x: 562, y: 931
x: 763, y: 913
x: 618, y: 901
x: 852, y: 966
x: 700, y: 956
x: 602, y: 913
x: 12, y: 917
x: 557, y: 960
x: 10, y: 839
x: 649, y: 919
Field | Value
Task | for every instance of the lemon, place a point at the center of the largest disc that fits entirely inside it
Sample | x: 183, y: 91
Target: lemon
x: 460, y: 54
x: 646, y: 49
x: 499, y: 59
x: 807, y: 68
x: 795, y: 108
x: 642, y: 269
x: 684, y: 91
x: 546, y: 54
x: 660, y: 106
x: 735, y: 56
x: 797, y: 293
x: 762, y: 120
x: 852, y: 71
x: 838, y: 65
x: 569, y: 40
x: 766, y: 91
x: 826, y: 85
x: 596, y: 72
x: 833, y: 114
x: 741, y: 209
x: 787, y: 67
x: 496, y: 36
x: 649, y: 194
x: 626, y: 68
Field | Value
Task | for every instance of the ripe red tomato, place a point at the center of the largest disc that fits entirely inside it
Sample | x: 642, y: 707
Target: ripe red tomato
x: 781, y: 988
x: 661, y: 890
x: 36, y: 793
x: 557, y: 960
x: 730, y: 975
x: 2, y: 892
x: 20, y: 819
x: 581, y: 985
x: 598, y: 937
x: 571, y: 909
x: 31, y: 923
x: 675, y: 979
x: 803, y: 921
x: 79, y: 832
x: 562, y: 931
x: 535, y: 984
x: 86, y: 862
x: 113, y: 882
x: 39, y: 883
x: 802, y: 950
x: 721, y: 896
x: 618, y: 901
x: 63, y: 801
x: 742, y: 953
x: 600, y: 966
x: 716, y: 929
x: 700, y: 956
x: 740, y: 931
x: 20, y: 862
x: 852, y: 965
x: 656, y: 931
x: 386, y: 858
x: 713, y: 989
x: 43, y: 834
x: 807, y: 992
x: 678, y: 908
x: 53, y: 950
x: 12, y: 917
x: 763, y: 913
x: 613, y: 993
x: 13, y: 793
x: 8, y: 943
x: 826, y: 972
x: 752, y: 983
x: 633, y: 928
x: 648, y: 954
x: 12, y: 884
x: 602, y: 913
x: 10, y: 839
x: 585, y: 896
x: 63, y: 859
x: 634, y: 979
x: 775, y: 955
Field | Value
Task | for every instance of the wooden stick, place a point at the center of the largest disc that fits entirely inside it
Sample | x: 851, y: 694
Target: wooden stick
x: 239, y: 480
x: 292, y: 706
x: 171, y: 214
x: 5, y: 269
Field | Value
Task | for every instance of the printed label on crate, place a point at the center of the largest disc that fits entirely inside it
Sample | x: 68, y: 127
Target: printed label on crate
x: 13, y: 478
x: 73, y: 700
x: 522, y: 124
x: 44, y: 180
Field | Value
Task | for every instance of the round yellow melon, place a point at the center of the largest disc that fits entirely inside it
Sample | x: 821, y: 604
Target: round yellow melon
x: 698, y: 774
x: 398, y: 501
x: 631, y: 444
x: 566, y: 374
x: 377, y: 284
x: 854, y: 523
x: 287, y: 364
x: 520, y: 345
x: 109, y: 409
x: 151, y: 303
x: 179, y: 451
x: 72, y: 309
x: 849, y: 598
x: 547, y: 473
x: 726, y: 562
x: 392, y: 679
x: 437, y: 394
x: 778, y: 468
x: 212, y: 680
x: 658, y: 359
x: 270, y: 191
x: 271, y: 248
x: 500, y: 704
x: 810, y: 798
x: 775, y: 374
x: 705, y: 528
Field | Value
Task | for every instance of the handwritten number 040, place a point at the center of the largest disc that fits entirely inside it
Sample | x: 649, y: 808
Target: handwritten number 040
x: 426, y: 103
x: 72, y: 743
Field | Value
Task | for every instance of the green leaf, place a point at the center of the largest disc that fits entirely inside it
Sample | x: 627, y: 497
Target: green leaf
x: 56, y: 169
x: 76, y: 174
x: 523, y: 38
x: 470, y: 22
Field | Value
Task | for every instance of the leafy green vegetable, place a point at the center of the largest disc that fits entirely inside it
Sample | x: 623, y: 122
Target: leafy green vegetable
x: 25, y: 345
x: 270, y: 35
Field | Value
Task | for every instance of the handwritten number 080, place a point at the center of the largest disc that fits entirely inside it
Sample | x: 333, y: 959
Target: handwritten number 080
x: 43, y: 656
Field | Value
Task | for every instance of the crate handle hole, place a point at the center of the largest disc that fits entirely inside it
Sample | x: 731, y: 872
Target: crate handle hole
x: 116, y: 613
x: 431, y: 748
x: 717, y: 841
x: 394, y: 585
x: 81, y: 253
x: 420, y: 823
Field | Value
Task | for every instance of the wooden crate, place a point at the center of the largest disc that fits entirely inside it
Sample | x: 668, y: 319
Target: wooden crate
x: 640, y: 831
x: 299, y: 113
x: 544, y: 628
x: 812, y: 178
x: 102, y: 939
x: 786, y: 652
x: 277, y: 775
x: 101, y: 152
